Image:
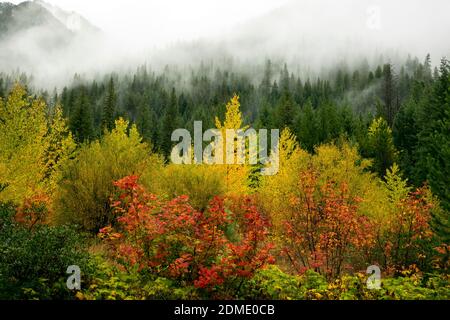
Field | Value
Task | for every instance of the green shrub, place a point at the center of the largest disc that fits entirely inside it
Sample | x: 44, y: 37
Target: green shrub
x: 273, y: 284
x: 436, y: 287
x: 109, y: 283
x: 33, y: 263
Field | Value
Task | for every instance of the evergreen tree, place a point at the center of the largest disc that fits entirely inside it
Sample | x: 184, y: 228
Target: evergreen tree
x: 390, y: 102
x: 307, y: 128
x: 427, y: 68
x: 2, y: 88
x: 284, y: 80
x: 169, y: 123
x: 378, y: 72
x: 274, y: 93
x: 266, y: 83
x: 370, y: 77
x: 81, y: 121
x: 381, y: 146
x: 434, y: 138
x: 405, y: 133
x: 285, y: 111
x: 265, y: 119
x: 109, y: 107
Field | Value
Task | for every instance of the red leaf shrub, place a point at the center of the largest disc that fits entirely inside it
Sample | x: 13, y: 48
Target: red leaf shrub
x: 172, y: 239
x: 33, y: 211
x: 407, y: 233
x: 324, y: 229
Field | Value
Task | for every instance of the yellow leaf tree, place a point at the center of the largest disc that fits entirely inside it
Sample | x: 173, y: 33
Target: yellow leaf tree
x: 60, y: 147
x: 23, y: 129
x: 32, y: 146
x: 235, y: 175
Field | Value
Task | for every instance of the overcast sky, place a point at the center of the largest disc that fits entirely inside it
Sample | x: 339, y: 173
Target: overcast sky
x: 168, y: 20
x: 313, y: 34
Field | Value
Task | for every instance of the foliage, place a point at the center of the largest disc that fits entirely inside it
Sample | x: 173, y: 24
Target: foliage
x: 351, y: 191
x: 82, y: 197
x: 200, y: 182
x: 236, y: 175
x: 173, y: 240
x: 272, y: 283
x: 405, y: 235
x: 107, y: 282
x: 323, y: 228
x: 381, y: 146
x: 340, y: 164
x: 109, y: 107
x: 33, y: 262
x: 433, y: 149
x: 32, y: 147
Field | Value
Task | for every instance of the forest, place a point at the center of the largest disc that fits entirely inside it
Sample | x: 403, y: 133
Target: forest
x: 364, y: 153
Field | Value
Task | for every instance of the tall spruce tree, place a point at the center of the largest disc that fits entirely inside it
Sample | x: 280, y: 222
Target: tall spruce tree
x: 169, y: 123
x: 109, y: 106
x: 434, y: 138
x: 81, y: 123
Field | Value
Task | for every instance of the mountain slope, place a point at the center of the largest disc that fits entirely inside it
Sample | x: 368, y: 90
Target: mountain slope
x: 45, y: 41
x: 30, y: 17
x: 71, y: 20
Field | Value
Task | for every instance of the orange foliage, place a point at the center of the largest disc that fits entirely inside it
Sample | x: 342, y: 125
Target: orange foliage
x: 172, y: 239
x: 324, y: 229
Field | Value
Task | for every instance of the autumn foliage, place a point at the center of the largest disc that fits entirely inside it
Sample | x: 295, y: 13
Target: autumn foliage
x: 407, y: 232
x: 172, y: 239
x: 325, y: 232
x: 33, y: 211
x: 324, y: 229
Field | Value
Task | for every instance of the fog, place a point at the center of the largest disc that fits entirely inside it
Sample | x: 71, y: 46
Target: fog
x: 311, y: 35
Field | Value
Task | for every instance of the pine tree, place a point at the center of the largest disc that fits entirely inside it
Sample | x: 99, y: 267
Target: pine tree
x: 285, y: 111
x: 427, y: 68
x: 307, y: 128
x: 109, y: 107
x: 405, y: 133
x: 265, y: 119
x: 169, y: 123
x: 2, y: 88
x: 274, y: 93
x: 284, y: 80
x: 266, y: 83
x: 390, y: 104
x: 81, y: 121
x: 370, y: 77
x: 298, y: 93
x: 381, y: 146
x: 434, y: 138
x: 378, y: 72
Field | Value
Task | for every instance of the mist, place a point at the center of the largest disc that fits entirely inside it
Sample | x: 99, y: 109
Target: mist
x: 311, y: 36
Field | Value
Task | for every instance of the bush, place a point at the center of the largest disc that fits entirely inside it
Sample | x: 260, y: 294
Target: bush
x: 214, y: 250
x: 200, y: 182
x: 87, y: 181
x: 109, y: 283
x: 33, y: 262
x: 273, y: 284
x: 416, y: 287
